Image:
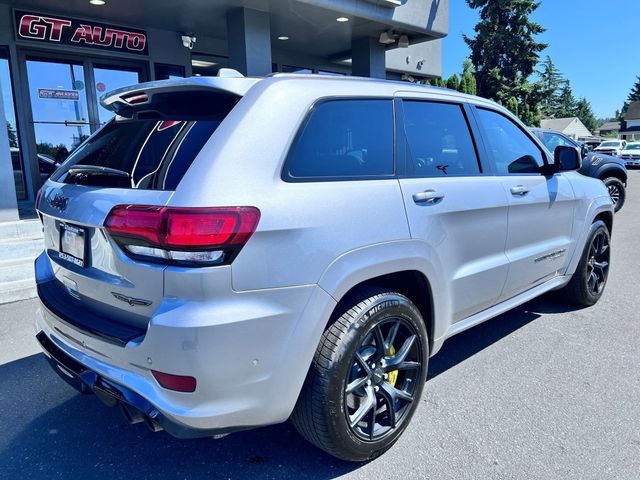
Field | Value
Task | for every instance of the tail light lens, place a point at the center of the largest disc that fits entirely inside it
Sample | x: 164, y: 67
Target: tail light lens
x: 186, y: 236
x: 179, y: 383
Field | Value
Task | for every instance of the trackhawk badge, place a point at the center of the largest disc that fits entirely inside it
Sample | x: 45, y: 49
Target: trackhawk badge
x: 134, y: 302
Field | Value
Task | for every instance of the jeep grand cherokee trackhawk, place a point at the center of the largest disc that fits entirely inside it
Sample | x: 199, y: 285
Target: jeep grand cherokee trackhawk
x: 230, y: 252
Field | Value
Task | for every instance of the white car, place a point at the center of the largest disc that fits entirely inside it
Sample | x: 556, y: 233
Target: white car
x: 611, y: 147
x: 631, y: 154
x: 231, y: 252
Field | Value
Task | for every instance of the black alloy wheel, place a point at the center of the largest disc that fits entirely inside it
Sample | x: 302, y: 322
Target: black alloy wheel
x: 598, y: 264
x: 381, y: 384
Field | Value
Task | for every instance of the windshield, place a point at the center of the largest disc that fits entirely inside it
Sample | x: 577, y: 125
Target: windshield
x: 610, y: 144
x: 635, y: 146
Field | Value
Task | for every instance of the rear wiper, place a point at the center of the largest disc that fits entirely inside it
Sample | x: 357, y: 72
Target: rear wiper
x: 97, y: 170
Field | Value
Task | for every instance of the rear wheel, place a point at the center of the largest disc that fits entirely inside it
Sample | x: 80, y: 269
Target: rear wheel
x: 590, y: 278
x: 366, y: 378
x: 616, y: 191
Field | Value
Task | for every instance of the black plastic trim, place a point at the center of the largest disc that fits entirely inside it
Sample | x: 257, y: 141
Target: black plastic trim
x: 86, y: 381
x: 60, y: 303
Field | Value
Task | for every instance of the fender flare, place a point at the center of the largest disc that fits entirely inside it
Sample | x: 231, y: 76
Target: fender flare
x: 359, y: 265
x: 597, y: 206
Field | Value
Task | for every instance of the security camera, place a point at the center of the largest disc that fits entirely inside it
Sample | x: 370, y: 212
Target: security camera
x: 188, y: 40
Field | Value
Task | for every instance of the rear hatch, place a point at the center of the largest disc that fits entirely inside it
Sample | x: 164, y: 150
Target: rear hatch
x: 138, y: 158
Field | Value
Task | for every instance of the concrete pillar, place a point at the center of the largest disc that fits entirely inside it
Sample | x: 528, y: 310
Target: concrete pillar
x: 368, y: 58
x: 8, y: 204
x: 249, y: 37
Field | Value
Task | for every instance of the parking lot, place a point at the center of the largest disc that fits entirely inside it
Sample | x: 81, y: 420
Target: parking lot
x: 544, y: 391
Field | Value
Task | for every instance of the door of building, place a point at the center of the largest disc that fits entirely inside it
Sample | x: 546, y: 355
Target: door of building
x: 64, y: 105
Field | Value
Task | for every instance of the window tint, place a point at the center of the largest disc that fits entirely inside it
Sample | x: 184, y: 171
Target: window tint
x: 145, y: 154
x: 344, y: 138
x: 438, y: 140
x: 509, y: 148
x: 553, y: 140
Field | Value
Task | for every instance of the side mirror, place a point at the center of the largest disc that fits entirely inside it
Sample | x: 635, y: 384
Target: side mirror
x: 585, y: 150
x: 566, y: 158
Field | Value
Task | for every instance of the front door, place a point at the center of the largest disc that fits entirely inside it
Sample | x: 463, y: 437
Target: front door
x: 541, y: 208
x: 64, y: 98
x: 457, y: 210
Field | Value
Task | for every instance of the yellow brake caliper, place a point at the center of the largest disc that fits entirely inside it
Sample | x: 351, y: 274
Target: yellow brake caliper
x: 392, y: 377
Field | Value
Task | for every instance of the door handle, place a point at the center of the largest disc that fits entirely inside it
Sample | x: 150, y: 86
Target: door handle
x: 428, y: 196
x: 519, y: 190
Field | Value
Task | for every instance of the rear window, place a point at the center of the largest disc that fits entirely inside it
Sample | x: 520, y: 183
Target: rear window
x: 153, y: 151
x: 344, y: 139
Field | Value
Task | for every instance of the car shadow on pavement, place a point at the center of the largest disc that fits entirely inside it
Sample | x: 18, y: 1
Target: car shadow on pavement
x: 51, y: 431
x: 468, y: 343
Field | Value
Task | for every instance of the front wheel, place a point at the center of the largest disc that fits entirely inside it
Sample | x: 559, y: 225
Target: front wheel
x: 617, y: 191
x: 588, y: 282
x: 366, y: 378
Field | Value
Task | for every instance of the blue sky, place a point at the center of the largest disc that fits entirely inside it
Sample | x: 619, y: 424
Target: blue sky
x: 593, y: 43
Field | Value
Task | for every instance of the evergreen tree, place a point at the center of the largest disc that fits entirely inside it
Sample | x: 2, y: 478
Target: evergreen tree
x: 504, y: 52
x: 567, y: 103
x: 551, y: 80
x: 584, y: 112
x: 634, y: 94
x: 453, y: 83
x: 13, y: 137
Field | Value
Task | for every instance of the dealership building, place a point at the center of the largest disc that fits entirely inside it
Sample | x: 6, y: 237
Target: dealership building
x: 58, y: 58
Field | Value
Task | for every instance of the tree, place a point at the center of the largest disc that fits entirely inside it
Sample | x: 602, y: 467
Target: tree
x: 453, y: 83
x: 567, y: 103
x: 13, y: 137
x: 551, y: 80
x: 584, y: 112
x: 634, y: 94
x: 504, y: 52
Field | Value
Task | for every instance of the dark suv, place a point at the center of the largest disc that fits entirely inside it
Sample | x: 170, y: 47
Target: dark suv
x: 611, y: 170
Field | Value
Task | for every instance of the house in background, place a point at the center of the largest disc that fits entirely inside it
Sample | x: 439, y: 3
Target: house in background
x: 630, y: 127
x: 609, y: 129
x: 572, y: 126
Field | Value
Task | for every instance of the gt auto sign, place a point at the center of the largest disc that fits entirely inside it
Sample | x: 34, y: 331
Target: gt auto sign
x: 79, y: 33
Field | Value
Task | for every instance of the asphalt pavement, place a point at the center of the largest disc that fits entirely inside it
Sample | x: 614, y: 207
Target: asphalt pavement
x: 544, y: 391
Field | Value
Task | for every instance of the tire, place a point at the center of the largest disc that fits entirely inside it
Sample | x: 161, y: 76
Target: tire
x: 327, y: 414
x: 617, y: 191
x: 579, y: 289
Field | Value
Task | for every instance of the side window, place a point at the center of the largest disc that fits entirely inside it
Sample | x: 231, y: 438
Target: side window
x: 553, y: 140
x: 344, y: 138
x: 438, y: 140
x: 509, y: 148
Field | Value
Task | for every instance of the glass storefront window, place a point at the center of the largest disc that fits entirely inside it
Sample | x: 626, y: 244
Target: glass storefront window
x: 207, y: 65
x: 109, y: 78
x: 164, y: 71
x: 59, y: 109
x: 11, y: 125
x: 293, y: 69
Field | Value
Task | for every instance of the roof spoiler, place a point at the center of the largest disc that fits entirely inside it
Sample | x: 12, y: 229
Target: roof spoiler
x: 129, y: 101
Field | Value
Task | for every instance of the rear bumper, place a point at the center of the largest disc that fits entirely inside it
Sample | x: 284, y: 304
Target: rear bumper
x: 136, y: 408
x: 249, y: 353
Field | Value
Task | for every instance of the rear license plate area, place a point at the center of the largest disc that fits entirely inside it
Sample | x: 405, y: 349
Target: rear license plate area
x: 73, y: 244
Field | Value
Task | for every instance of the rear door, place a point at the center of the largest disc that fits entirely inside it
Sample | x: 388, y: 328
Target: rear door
x: 127, y: 162
x: 453, y: 206
x: 541, y: 208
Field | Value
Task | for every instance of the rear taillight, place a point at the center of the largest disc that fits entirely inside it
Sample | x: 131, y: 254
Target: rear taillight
x: 191, y: 236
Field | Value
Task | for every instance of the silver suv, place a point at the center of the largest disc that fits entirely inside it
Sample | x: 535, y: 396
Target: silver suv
x: 232, y: 252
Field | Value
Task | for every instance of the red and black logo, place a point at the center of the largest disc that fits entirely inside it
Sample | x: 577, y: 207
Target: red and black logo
x: 79, y: 33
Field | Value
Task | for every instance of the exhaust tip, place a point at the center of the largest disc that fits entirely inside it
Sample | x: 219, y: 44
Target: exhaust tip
x: 131, y: 414
x: 151, y: 424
